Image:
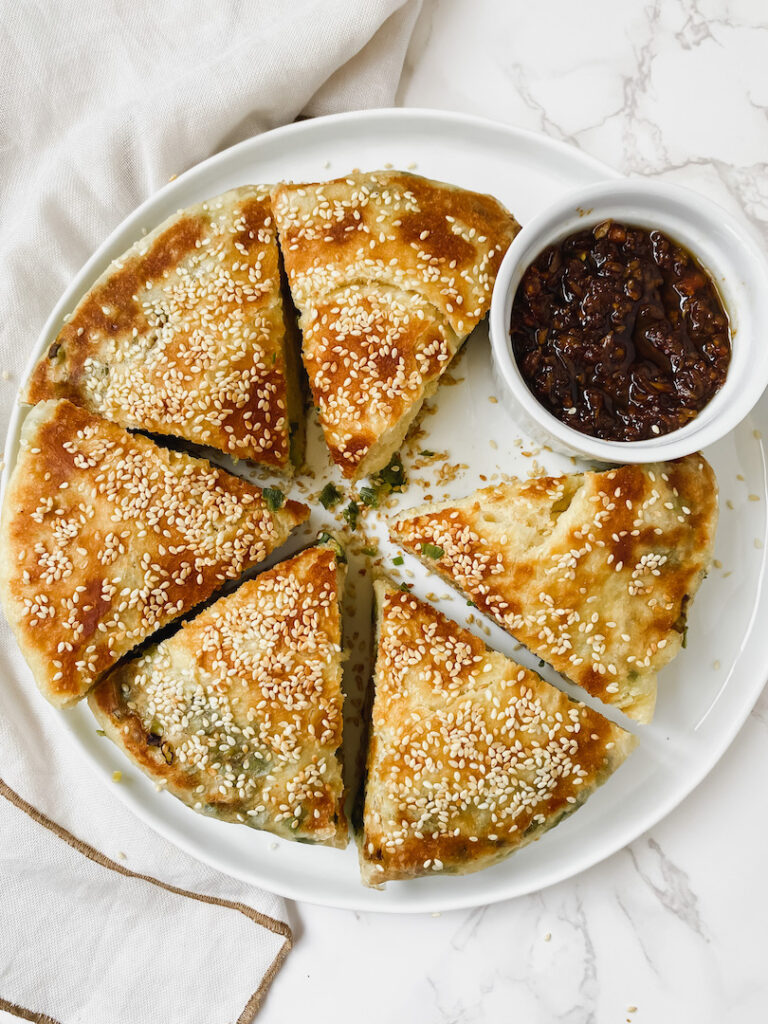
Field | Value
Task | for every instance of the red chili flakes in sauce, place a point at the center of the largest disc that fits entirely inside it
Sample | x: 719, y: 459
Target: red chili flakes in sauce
x: 620, y: 333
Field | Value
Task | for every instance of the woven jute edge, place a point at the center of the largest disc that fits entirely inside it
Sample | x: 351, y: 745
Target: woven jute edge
x: 271, y: 923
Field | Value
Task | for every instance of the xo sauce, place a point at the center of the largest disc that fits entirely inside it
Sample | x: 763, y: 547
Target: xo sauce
x: 620, y: 333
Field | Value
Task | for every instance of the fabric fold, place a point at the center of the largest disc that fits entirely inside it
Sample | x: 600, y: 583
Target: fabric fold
x: 100, y: 104
x: 186, y: 948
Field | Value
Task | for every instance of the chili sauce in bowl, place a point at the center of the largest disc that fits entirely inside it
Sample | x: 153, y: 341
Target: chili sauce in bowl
x: 620, y: 333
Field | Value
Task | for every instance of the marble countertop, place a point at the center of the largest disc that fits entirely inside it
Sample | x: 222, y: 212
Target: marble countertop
x: 671, y: 928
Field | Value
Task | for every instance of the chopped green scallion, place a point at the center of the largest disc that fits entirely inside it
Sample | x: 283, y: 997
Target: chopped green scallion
x: 330, y: 496
x: 392, y: 477
x: 330, y: 540
x: 273, y: 498
x: 351, y: 513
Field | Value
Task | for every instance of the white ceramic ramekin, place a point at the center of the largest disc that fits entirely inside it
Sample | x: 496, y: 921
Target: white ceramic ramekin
x: 731, y: 254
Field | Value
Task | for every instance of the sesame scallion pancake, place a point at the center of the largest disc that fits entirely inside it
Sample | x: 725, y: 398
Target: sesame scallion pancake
x: 239, y: 713
x: 593, y: 572
x: 471, y: 756
x: 390, y: 272
x: 187, y: 334
x: 106, y: 537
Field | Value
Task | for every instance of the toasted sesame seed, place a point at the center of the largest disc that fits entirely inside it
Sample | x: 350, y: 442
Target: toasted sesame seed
x: 556, y: 621
x: 204, y: 341
x: 455, y: 749
x: 253, y: 683
x: 138, y: 521
x: 378, y: 330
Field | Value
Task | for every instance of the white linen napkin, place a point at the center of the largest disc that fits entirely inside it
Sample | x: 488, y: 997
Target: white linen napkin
x: 101, y: 920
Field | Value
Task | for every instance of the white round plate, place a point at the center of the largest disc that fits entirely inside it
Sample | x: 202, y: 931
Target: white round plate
x: 704, y: 696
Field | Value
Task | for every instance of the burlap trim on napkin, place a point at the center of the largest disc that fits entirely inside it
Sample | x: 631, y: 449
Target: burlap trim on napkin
x: 278, y: 927
x: 19, y: 1011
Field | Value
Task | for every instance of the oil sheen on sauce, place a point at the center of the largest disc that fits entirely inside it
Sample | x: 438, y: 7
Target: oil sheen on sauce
x: 620, y: 333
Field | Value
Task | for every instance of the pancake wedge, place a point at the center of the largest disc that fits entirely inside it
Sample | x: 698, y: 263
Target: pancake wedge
x: 471, y: 756
x: 239, y: 713
x: 390, y: 273
x: 593, y: 572
x: 187, y: 334
x: 106, y: 537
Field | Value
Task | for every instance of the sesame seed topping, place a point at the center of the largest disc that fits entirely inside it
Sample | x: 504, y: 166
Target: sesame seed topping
x: 198, y: 349
x: 546, y: 582
x: 388, y: 286
x: 463, y: 754
x: 138, y: 535
x: 245, y: 701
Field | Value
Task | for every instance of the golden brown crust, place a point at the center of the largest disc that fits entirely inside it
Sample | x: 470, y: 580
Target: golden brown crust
x: 239, y: 713
x: 107, y: 537
x: 390, y: 272
x: 184, y: 334
x: 592, y: 572
x: 372, y: 356
x: 471, y: 756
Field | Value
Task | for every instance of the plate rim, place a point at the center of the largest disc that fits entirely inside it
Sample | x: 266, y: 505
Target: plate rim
x: 364, y: 899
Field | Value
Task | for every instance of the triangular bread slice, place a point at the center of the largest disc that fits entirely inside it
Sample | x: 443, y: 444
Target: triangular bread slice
x: 471, y: 756
x: 390, y: 272
x: 106, y: 537
x: 187, y: 334
x: 593, y: 572
x: 239, y: 713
